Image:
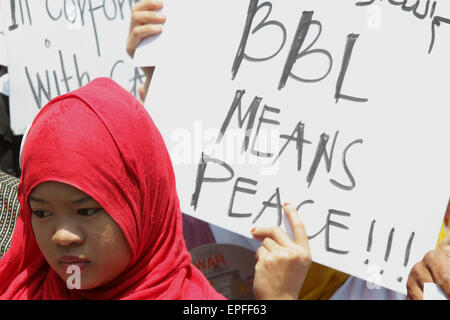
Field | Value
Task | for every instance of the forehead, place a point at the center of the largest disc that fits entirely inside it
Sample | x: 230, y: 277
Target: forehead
x: 56, y: 191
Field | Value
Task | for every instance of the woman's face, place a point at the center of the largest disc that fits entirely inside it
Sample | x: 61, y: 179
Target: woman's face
x: 72, y: 229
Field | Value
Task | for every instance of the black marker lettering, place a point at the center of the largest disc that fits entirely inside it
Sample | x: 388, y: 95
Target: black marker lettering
x: 295, y: 54
x: 111, y: 74
x: 321, y: 152
x: 105, y: 11
x: 433, y: 9
x: 66, y: 14
x: 252, y: 10
x: 28, y: 13
x: 41, y: 88
x: 334, y: 224
x: 251, y: 114
x: 270, y: 204
x: 298, y: 209
x: 139, y: 76
x: 298, y: 137
x: 408, y: 249
x: 236, y: 188
x: 84, y: 76
x: 91, y: 11
x: 347, y: 170
x: 427, y: 13
x: 389, y: 245
x: 261, y: 121
x: 63, y: 70
x: 407, y: 253
x: 55, y: 77
x: 121, y: 4
x: 204, y: 161
x: 351, y: 39
x: 82, y: 9
x: 370, y: 239
x: 436, y: 23
x: 14, y: 24
x: 414, y: 8
x: 365, y: 3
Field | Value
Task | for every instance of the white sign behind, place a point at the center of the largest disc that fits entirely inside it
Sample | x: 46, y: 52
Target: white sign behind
x: 3, y: 58
x: 338, y: 107
x: 58, y: 46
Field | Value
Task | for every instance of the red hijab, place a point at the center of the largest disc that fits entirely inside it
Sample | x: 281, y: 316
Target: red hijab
x: 102, y: 141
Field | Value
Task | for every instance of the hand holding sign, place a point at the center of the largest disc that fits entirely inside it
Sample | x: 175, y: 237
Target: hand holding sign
x: 145, y: 22
x: 282, y: 263
x: 432, y: 269
x: 257, y: 124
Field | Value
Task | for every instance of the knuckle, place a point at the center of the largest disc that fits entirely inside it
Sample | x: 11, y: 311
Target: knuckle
x: 430, y: 256
x: 278, y: 230
x: 258, y: 252
x: 308, y: 257
x: 446, y: 282
x: 296, y: 251
x: 304, y: 256
x: 285, y: 255
x: 134, y: 15
x: 297, y: 225
x: 266, y: 260
x: 158, y: 18
x: 135, y: 8
x: 409, y: 284
x: 414, y: 273
x: 135, y: 32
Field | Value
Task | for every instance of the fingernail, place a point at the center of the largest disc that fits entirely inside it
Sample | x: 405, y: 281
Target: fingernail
x: 253, y: 230
x: 287, y: 204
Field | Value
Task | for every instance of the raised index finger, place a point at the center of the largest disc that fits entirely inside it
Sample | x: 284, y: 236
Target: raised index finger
x: 298, y: 228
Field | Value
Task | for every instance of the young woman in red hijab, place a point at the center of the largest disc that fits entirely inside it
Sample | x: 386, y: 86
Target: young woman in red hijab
x: 98, y: 193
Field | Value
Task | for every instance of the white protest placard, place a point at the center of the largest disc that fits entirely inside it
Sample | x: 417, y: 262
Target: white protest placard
x: 4, y: 84
x: 3, y: 58
x: 146, y: 57
x: 431, y: 291
x: 58, y: 46
x: 337, y: 107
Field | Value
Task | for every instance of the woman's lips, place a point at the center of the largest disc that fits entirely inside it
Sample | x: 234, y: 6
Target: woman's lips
x: 68, y: 261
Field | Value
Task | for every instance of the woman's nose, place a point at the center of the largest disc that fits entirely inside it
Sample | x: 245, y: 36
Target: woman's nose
x: 65, y: 237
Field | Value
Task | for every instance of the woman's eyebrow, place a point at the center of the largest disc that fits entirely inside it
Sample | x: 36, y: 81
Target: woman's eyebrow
x: 76, y: 201
x: 83, y: 199
x: 31, y: 198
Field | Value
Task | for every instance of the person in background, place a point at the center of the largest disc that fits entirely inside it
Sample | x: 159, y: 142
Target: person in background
x: 9, y: 209
x: 9, y: 167
x: 146, y: 21
x: 434, y: 267
x: 9, y: 142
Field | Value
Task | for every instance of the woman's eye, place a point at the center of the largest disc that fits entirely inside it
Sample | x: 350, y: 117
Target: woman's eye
x: 88, y: 212
x: 41, y: 214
